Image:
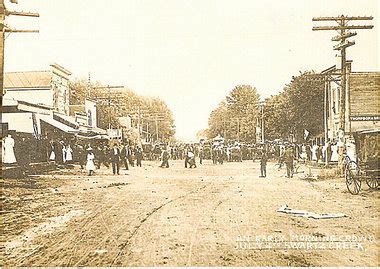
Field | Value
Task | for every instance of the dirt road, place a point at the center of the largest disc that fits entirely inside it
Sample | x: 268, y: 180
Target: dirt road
x: 211, y: 215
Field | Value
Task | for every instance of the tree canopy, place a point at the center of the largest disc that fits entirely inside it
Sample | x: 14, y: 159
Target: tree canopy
x: 152, y: 113
x: 297, y: 107
x: 235, y: 118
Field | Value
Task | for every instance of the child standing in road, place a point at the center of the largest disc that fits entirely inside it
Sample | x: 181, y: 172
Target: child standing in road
x: 90, y: 166
x: 263, y: 163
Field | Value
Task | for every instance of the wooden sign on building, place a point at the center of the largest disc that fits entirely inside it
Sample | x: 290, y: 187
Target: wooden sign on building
x: 364, y: 110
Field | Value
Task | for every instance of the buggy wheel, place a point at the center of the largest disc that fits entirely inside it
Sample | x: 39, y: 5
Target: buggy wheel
x: 372, y: 182
x: 353, y: 181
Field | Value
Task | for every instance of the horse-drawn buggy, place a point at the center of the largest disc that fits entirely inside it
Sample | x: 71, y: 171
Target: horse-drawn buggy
x: 207, y: 151
x: 366, y: 165
x: 147, y: 151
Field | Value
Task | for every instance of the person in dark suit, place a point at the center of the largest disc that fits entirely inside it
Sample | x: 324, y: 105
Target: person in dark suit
x: 308, y: 152
x: 131, y: 155
x: 201, y: 155
x: 328, y: 153
x: 139, y: 156
x: 288, y: 158
x: 80, y: 154
x: 125, y: 156
x: 263, y: 162
x: 165, y: 158
x: 115, y: 159
x: 58, y: 146
x: 319, y: 153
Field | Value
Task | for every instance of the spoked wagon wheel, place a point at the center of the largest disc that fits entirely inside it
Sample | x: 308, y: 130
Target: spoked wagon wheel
x: 353, y: 181
x: 372, y: 182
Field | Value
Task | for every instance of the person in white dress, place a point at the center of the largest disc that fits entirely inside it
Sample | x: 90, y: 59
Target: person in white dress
x: 8, y: 150
x: 52, y: 151
x: 228, y: 151
x: 314, y: 152
x: 351, y: 148
x: 334, y: 155
x: 90, y: 166
x: 69, y: 154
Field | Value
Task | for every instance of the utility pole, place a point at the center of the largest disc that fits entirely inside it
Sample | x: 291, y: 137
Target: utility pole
x: 147, y: 132
x: 108, y: 99
x: 149, y: 116
x: 6, y: 29
x: 224, y: 129
x: 156, y: 118
x: 238, y: 129
x: 138, y: 123
x: 2, y: 17
x: 89, y: 86
x: 262, y: 124
x: 156, y: 130
x: 343, y: 34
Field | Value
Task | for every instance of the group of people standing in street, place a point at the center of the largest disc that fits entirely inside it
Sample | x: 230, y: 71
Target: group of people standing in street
x: 22, y: 150
x: 287, y: 157
x: 61, y: 152
x: 189, y: 157
x: 288, y: 153
x: 19, y: 151
x: 116, y: 155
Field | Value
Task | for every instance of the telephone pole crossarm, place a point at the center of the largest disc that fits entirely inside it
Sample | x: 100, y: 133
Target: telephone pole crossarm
x: 344, y: 45
x: 21, y: 13
x: 357, y: 18
x: 8, y: 30
x: 344, y: 36
x: 348, y: 27
x: 107, y: 87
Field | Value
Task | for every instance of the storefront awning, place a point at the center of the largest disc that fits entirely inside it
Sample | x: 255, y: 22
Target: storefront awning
x: 63, y: 127
x: 372, y: 131
x: 67, y: 120
x: 85, y: 136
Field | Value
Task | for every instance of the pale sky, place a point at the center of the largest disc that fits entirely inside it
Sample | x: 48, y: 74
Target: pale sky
x: 190, y: 53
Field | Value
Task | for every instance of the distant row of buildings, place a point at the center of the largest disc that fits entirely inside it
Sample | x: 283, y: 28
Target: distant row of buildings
x: 37, y: 102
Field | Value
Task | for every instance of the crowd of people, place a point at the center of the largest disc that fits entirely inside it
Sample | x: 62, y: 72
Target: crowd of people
x: 91, y: 155
x: 289, y: 153
x: 111, y: 156
x: 21, y: 151
x: 284, y: 153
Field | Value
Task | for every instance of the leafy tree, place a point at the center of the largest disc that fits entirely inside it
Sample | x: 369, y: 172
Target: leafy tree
x: 159, y: 118
x: 242, y: 104
x: 235, y: 118
x: 217, y: 121
x: 298, y: 107
x: 125, y: 102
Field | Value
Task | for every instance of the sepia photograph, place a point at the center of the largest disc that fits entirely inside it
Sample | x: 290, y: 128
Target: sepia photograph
x: 190, y: 133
